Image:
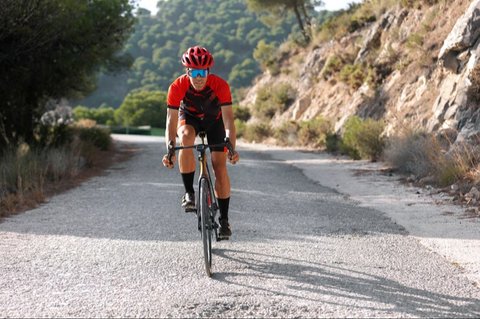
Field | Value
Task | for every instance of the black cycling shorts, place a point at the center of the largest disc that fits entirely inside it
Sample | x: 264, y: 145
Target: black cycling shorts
x: 215, y: 130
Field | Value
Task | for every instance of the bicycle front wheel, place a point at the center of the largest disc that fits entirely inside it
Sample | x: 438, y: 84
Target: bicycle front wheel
x: 206, y: 222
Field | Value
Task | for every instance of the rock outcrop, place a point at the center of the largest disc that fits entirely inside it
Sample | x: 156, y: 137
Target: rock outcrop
x: 427, y: 72
x: 457, y: 103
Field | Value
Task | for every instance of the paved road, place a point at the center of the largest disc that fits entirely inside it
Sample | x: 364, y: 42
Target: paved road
x: 119, y: 246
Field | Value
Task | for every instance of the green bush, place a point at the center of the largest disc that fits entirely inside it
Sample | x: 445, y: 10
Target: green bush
x: 241, y: 113
x: 346, y: 149
x: 415, y: 41
x: 54, y: 135
x: 332, y: 142
x: 102, y: 115
x: 283, y: 94
x: 363, y: 138
x: 257, y: 132
x: 305, y: 133
x: 353, y: 75
x: 314, y: 132
x: 265, y: 55
x: 271, y: 100
x: 99, y: 137
x: 142, y: 107
x: 417, y: 3
x: 357, y: 74
x: 240, y: 127
x: 287, y: 133
x: 332, y: 66
x: 264, y: 107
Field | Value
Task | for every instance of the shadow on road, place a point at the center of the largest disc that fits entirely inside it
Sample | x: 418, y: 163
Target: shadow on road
x: 335, y: 285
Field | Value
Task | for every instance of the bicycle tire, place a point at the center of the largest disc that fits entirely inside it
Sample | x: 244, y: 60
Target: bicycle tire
x: 206, y: 222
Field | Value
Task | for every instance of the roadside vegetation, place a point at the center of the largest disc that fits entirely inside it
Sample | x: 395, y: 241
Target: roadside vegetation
x: 434, y: 159
x: 49, y: 55
x: 426, y: 158
x: 61, y: 152
x: 142, y: 112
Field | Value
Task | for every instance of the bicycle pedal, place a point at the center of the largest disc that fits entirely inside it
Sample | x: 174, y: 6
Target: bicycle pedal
x: 190, y: 210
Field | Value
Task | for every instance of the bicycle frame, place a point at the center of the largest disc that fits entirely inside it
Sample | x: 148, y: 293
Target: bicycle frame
x: 205, y: 173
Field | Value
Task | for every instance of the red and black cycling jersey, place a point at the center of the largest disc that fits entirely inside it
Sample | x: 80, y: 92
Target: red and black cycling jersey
x: 205, y: 104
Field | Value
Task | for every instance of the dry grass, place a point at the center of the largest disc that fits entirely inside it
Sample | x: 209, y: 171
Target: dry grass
x: 427, y: 155
x: 474, y: 175
x: 413, y: 152
x: 311, y: 133
x: 28, y: 176
x: 86, y: 123
x: 287, y: 133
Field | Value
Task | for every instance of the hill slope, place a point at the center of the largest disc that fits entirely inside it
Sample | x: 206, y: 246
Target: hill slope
x: 410, y: 67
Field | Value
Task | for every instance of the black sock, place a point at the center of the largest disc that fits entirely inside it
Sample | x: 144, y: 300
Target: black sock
x: 223, y: 204
x: 188, y: 181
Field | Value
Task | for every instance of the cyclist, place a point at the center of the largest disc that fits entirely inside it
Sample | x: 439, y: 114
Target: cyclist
x: 201, y: 101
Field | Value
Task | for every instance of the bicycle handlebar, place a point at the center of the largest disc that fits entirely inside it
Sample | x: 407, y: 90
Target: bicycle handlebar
x: 199, y: 147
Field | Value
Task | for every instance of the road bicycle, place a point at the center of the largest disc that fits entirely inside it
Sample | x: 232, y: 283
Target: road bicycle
x: 206, y: 204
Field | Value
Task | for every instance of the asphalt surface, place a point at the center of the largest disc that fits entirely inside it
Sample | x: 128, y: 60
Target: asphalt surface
x: 120, y: 246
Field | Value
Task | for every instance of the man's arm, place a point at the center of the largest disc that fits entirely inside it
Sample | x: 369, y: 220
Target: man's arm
x: 170, y: 135
x: 230, y: 131
x: 229, y: 122
x: 171, y: 126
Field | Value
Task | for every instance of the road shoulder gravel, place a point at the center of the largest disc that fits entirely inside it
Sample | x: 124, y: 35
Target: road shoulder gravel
x: 441, y: 227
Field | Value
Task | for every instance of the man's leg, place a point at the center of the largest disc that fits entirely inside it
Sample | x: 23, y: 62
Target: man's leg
x: 186, y: 163
x: 222, y: 190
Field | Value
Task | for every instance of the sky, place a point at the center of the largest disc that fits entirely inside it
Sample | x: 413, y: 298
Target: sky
x: 331, y: 5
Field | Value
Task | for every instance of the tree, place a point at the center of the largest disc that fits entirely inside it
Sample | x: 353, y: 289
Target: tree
x: 300, y: 8
x: 51, y: 49
x: 266, y: 55
x: 159, y: 42
x: 143, y: 108
x: 102, y: 115
x: 81, y: 112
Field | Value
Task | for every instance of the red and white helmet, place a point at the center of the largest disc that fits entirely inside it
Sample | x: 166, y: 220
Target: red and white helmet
x: 197, y: 58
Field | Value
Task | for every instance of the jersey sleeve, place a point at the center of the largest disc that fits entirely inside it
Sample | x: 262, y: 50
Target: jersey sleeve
x: 223, y: 93
x: 175, y: 95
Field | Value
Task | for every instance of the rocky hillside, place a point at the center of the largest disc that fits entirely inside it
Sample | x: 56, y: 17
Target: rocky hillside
x: 414, y: 66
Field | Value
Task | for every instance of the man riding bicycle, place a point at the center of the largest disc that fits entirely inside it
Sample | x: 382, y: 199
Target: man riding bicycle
x: 200, y: 101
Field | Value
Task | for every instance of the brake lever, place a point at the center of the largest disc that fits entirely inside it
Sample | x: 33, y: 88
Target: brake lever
x: 229, y: 146
x: 171, y: 152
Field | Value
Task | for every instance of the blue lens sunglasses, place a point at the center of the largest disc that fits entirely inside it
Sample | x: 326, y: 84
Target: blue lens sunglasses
x: 197, y: 72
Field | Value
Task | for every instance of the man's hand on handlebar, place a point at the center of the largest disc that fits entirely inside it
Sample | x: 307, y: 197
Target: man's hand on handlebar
x: 169, y: 158
x: 167, y: 163
x: 233, y: 156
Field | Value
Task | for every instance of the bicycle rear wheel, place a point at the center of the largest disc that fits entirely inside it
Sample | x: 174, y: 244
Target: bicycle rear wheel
x: 206, y: 222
